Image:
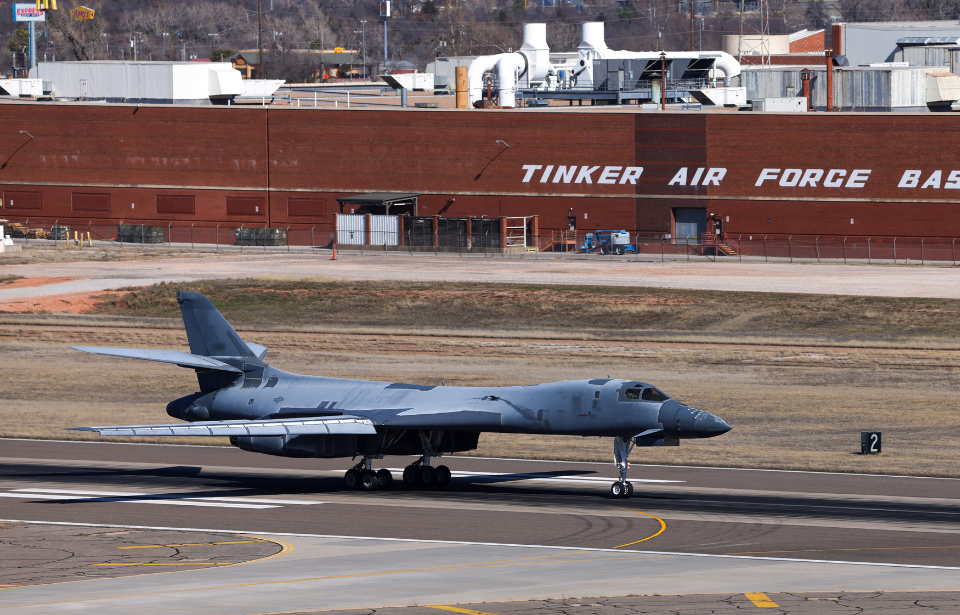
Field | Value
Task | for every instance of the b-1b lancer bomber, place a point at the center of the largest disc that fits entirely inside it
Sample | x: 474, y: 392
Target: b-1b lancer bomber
x: 266, y: 410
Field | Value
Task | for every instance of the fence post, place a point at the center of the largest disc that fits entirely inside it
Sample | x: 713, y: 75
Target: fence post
x: 817, y: 240
x: 844, y: 250
x: 765, y: 249
x: 922, y: 239
x: 894, y: 250
x: 869, y: 257
x: 953, y: 253
x: 740, y: 247
x: 288, y: 240
x: 218, y: 238
x: 661, y: 248
x: 240, y: 237
x: 790, y: 247
x: 169, y: 233
x: 312, y: 248
x: 191, y: 236
x: 264, y: 237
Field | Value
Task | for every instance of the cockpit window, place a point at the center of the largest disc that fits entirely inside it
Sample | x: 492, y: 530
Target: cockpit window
x: 251, y: 382
x: 272, y: 382
x: 632, y: 394
x: 651, y: 394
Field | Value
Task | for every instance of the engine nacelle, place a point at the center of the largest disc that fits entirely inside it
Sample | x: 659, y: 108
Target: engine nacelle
x: 346, y: 445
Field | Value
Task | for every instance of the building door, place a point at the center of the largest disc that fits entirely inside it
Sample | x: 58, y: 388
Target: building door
x: 571, y: 223
x: 690, y: 223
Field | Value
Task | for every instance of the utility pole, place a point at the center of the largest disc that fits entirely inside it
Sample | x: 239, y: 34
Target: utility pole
x: 692, y: 41
x: 165, y: 35
x: 384, y: 44
x: 261, y: 70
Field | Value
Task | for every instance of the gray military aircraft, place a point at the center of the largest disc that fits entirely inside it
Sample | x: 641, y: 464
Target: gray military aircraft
x: 266, y: 410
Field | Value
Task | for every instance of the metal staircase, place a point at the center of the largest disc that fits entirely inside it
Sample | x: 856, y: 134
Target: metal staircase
x: 718, y: 244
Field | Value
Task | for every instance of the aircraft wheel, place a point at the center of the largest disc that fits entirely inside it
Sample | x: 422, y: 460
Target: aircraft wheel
x: 428, y: 477
x: 369, y: 481
x: 617, y: 490
x: 629, y: 490
x: 386, y: 479
x: 352, y: 479
x: 410, y: 476
x: 443, y: 476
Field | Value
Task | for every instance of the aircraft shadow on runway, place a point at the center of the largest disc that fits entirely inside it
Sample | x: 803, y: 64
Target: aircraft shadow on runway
x: 504, y: 486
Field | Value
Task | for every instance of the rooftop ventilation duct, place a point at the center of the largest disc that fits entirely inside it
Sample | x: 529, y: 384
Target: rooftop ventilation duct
x: 592, y: 47
x: 531, y: 63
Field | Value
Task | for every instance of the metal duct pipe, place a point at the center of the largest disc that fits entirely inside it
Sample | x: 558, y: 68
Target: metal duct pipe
x: 507, y: 65
x: 592, y: 47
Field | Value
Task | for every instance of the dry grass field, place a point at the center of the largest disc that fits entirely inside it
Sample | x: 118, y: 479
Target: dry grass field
x: 792, y: 405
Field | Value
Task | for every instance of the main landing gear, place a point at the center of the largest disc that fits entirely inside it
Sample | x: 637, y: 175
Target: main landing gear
x: 621, y: 455
x: 421, y: 474
x: 418, y: 474
x: 362, y: 476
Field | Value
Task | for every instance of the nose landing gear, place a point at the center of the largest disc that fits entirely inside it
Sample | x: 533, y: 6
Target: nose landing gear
x: 621, y: 455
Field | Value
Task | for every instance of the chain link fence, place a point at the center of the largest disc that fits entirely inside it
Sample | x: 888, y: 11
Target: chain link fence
x: 488, y: 242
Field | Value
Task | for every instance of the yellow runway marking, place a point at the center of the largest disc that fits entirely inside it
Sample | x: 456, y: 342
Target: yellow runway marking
x: 663, y: 527
x: 762, y: 601
x: 196, y: 544
x: 852, y: 549
x: 456, y: 609
x: 9, y: 586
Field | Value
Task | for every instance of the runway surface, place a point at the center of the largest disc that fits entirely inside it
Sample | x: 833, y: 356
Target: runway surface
x: 504, y: 530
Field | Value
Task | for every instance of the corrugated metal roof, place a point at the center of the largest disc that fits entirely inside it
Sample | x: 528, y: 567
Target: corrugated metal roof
x: 929, y: 40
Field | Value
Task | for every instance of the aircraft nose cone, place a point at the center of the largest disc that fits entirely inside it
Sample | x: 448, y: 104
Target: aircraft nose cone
x: 709, y: 425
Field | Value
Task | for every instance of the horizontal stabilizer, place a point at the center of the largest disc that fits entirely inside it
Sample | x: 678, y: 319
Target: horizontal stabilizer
x: 273, y: 427
x: 258, y: 350
x: 182, y: 359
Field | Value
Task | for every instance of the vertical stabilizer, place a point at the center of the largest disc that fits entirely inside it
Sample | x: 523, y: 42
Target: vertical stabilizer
x: 208, y: 332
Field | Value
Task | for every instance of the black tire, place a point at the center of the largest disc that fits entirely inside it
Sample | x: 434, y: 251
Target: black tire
x: 352, y: 479
x: 369, y: 481
x: 386, y: 479
x: 617, y: 490
x: 604, y: 250
x: 428, y: 477
x: 443, y: 476
x: 621, y: 250
x: 410, y: 476
x: 629, y: 490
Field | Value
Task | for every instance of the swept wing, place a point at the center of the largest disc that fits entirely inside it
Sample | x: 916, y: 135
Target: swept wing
x: 176, y: 357
x: 342, y: 424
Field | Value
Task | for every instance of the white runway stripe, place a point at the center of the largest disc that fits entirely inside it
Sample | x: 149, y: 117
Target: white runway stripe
x: 152, y: 498
x: 47, y: 496
x: 123, y: 494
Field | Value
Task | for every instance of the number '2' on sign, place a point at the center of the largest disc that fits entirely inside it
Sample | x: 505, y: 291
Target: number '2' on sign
x: 869, y: 442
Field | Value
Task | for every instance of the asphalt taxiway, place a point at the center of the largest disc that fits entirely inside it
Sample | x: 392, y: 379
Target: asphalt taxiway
x: 505, y: 530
